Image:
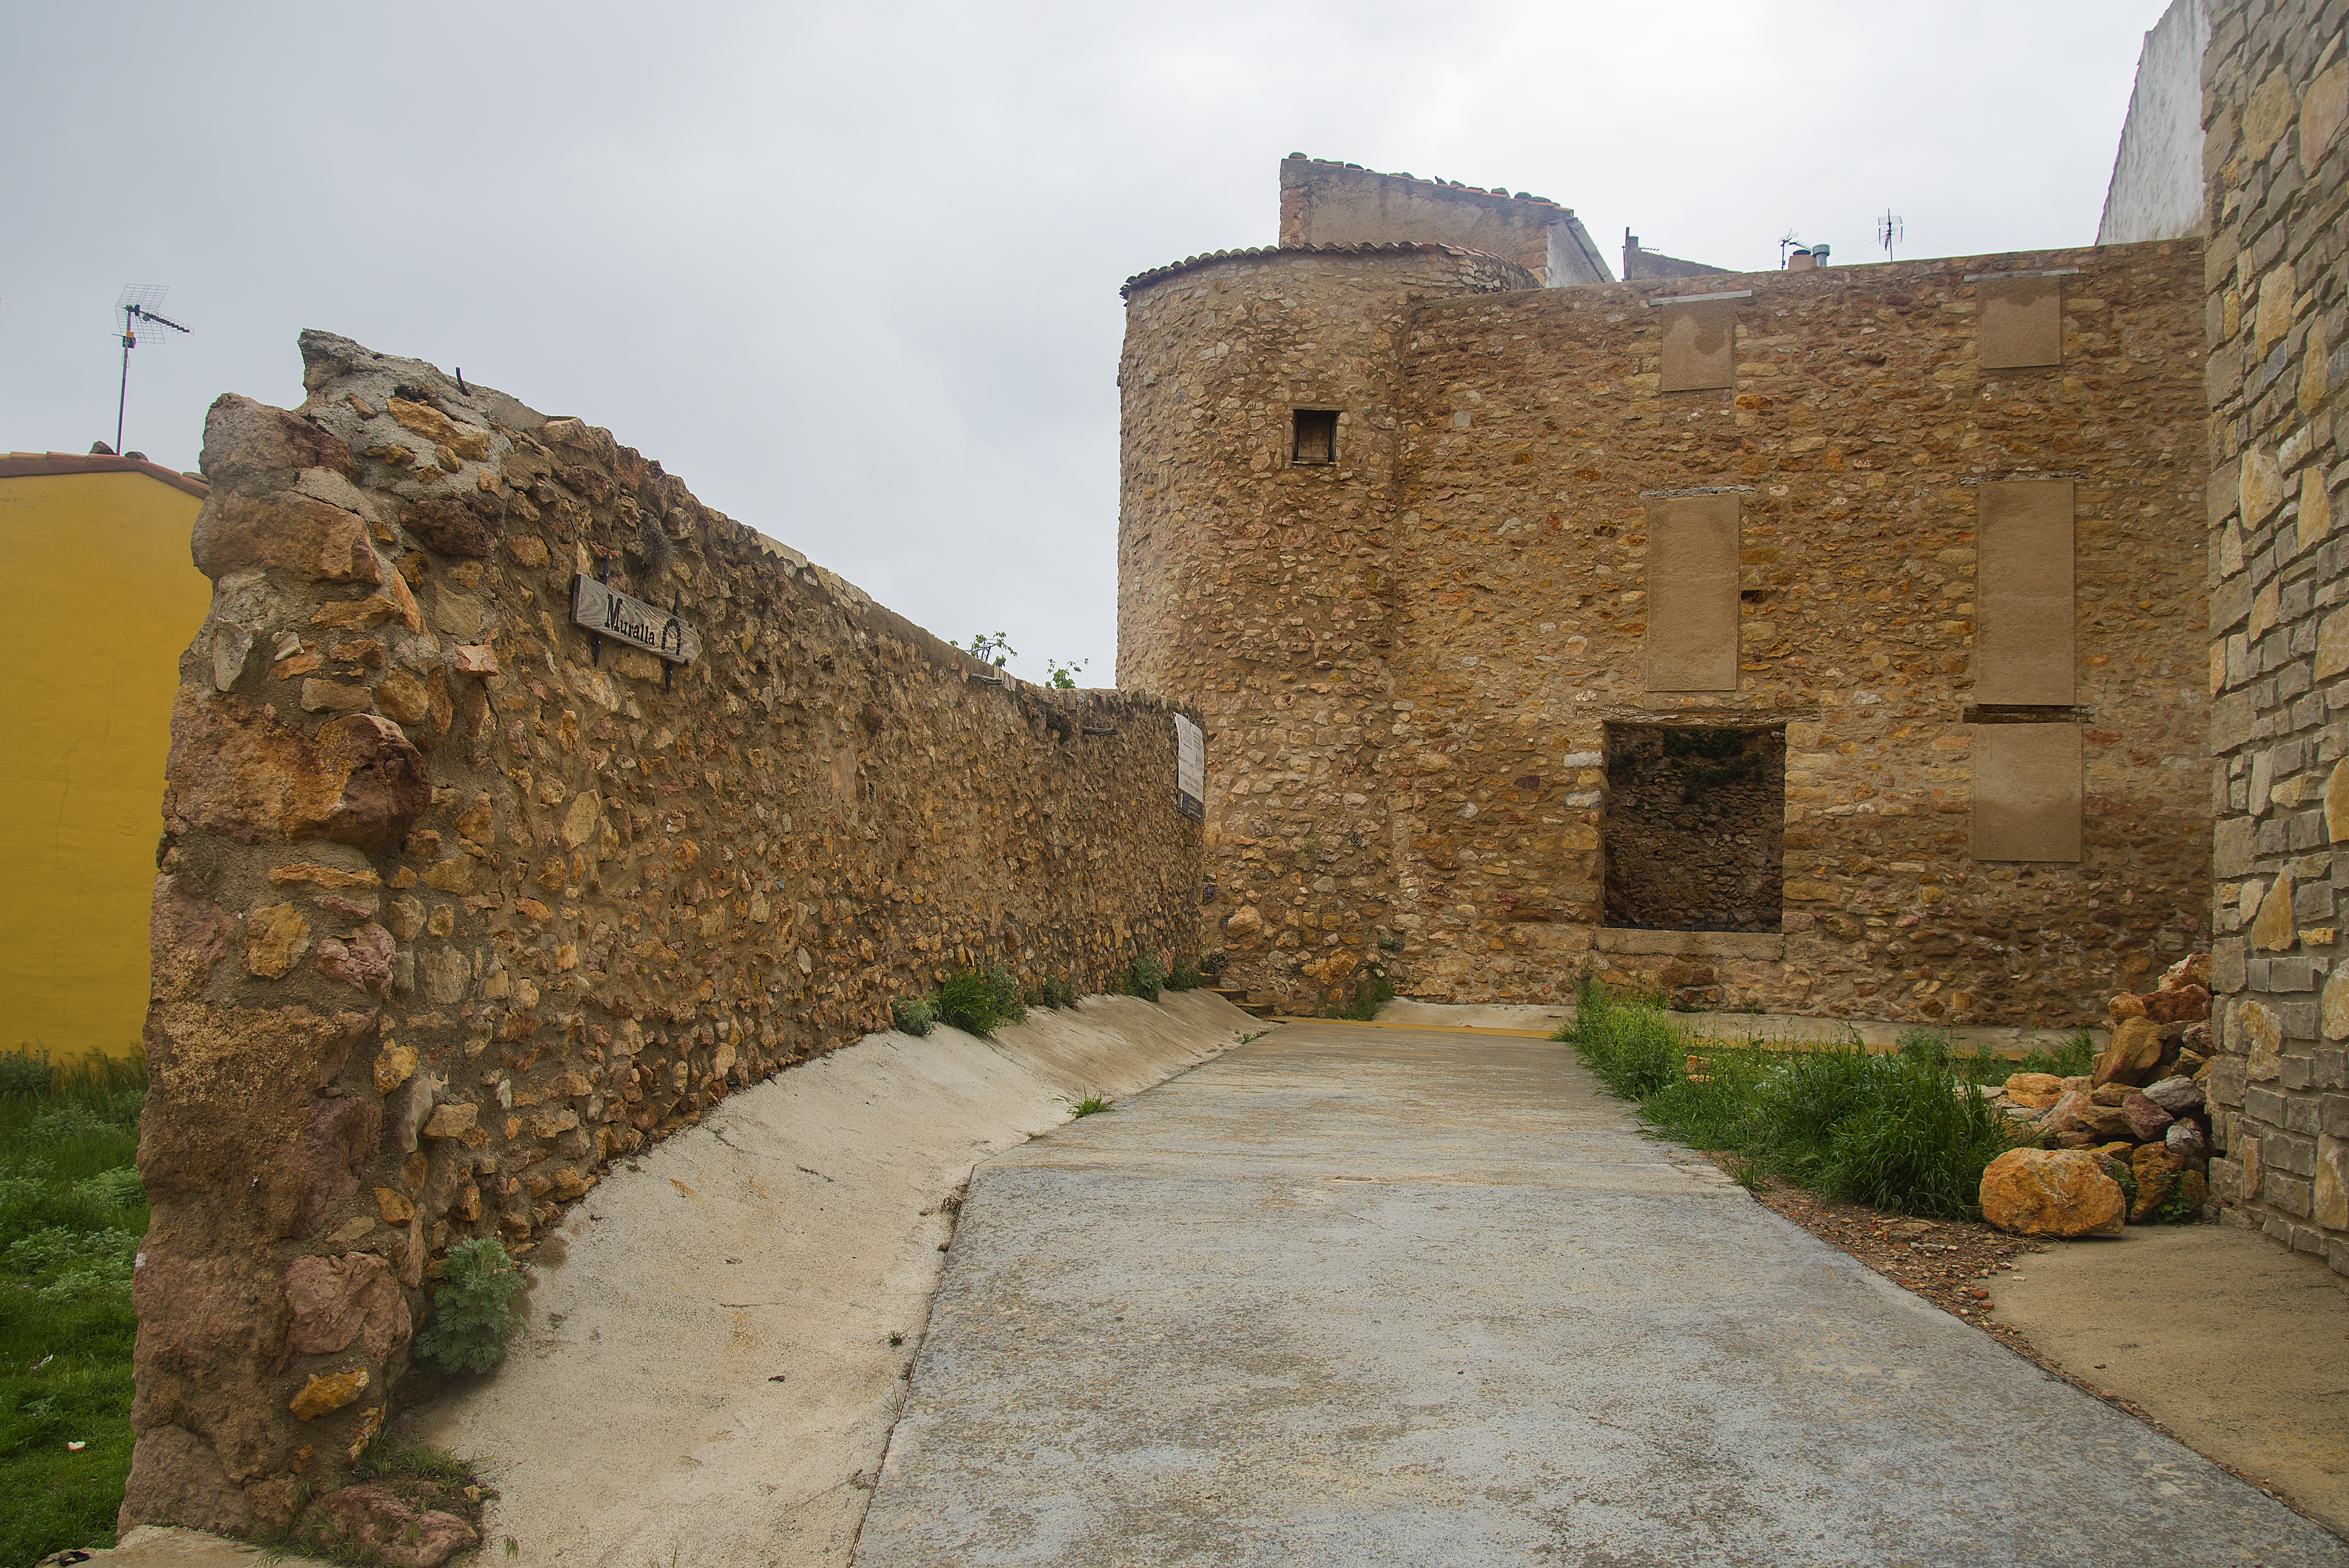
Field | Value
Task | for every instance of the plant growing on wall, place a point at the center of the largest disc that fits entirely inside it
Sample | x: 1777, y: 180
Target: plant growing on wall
x: 912, y: 1015
x: 996, y: 649
x: 1144, y: 975
x: 473, y: 1313
x: 1064, y: 675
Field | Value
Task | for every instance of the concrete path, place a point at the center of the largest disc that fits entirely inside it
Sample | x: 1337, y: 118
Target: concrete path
x: 1367, y: 1296
x: 719, y: 1337
x: 2235, y: 1345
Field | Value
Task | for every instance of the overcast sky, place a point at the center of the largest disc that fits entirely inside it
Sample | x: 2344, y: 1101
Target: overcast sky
x: 853, y: 272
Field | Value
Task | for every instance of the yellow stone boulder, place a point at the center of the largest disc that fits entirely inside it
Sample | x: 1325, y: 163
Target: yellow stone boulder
x: 2052, y: 1192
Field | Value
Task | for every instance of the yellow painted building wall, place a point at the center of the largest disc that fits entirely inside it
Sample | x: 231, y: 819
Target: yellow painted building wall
x: 102, y: 600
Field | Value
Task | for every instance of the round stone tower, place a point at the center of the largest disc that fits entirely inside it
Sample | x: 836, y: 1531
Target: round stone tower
x: 1258, y: 489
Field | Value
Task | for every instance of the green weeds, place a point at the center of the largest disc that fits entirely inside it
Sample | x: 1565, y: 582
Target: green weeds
x: 1144, y: 977
x: 1892, y: 1131
x: 980, y: 1001
x: 71, y: 1213
x: 1090, y: 1105
x: 473, y: 1313
x: 912, y: 1015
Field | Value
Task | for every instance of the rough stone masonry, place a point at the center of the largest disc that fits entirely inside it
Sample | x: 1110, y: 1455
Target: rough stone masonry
x: 455, y: 906
x: 1934, y: 526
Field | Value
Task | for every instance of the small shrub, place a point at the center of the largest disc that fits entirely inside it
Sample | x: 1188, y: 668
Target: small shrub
x: 1003, y: 988
x: 1052, y: 993
x: 1144, y: 977
x: 1183, y: 977
x: 1372, y: 990
x: 473, y: 1313
x: 912, y: 1015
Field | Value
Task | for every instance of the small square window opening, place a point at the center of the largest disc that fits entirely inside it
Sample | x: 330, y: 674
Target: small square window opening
x: 1316, y: 439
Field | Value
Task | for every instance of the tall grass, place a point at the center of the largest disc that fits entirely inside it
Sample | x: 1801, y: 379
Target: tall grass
x: 1903, y: 1132
x: 71, y: 1213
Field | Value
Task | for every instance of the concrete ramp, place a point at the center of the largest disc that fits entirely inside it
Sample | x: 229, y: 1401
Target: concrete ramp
x: 708, y: 1377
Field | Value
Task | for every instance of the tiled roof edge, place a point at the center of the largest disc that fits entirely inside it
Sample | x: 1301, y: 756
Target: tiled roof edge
x: 1365, y: 248
x: 37, y: 464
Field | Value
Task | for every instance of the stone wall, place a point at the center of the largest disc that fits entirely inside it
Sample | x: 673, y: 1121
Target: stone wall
x: 454, y: 909
x: 1262, y: 585
x: 1326, y: 204
x: 1408, y: 659
x: 2276, y: 89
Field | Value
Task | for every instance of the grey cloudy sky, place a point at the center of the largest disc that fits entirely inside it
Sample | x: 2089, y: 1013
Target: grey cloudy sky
x: 853, y: 272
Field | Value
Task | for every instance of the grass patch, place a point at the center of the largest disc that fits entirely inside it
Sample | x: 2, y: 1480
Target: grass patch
x: 425, y: 1478
x: 980, y: 1001
x: 1090, y: 1105
x: 1902, y: 1132
x: 71, y: 1214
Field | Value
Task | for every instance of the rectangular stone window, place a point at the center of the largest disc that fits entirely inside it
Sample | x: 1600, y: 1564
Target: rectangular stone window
x: 1693, y: 835
x: 2027, y: 792
x: 1700, y: 344
x: 2025, y: 627
x: 2021, y: 324
x: 1314, y: 436
x: 1691, y: 638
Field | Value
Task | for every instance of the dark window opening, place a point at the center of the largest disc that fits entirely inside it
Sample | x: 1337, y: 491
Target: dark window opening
x: 1316, y: 437
x: 1695, y: 828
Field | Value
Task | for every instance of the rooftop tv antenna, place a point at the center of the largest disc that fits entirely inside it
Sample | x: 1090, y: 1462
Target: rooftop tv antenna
x: 1889, y: 228
x: 135, y: 306
x: 1788, y: 242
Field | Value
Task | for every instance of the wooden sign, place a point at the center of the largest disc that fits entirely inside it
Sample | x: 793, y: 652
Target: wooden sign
x: 609, y: 612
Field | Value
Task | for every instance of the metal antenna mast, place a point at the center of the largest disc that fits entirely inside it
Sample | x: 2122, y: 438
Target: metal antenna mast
x: 135, y: 303
x: 1787, y: 241
x: 1890, y: 228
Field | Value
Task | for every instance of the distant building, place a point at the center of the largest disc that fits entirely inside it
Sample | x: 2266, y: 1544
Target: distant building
x: 103, y: 600
x: 1639, y: 264
x: 1326, y: 204
x: 2157, y: 187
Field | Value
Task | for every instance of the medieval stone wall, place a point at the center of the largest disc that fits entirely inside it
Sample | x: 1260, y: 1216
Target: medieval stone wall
x: 1261, y: 585
x: 1325, y: 204
x: 1857, y: 419
x: 2275, y: 93
x: 1409, y: 659
x: 453, y: 909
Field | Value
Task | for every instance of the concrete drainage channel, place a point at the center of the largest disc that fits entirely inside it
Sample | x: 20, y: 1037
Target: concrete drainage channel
x: 713, y: 1366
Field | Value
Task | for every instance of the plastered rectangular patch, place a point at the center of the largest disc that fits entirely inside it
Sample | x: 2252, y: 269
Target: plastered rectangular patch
x: 1699, y: 345
x: 2026, y: 791
x: 2020, y: 322
x: 1692, y: 592
x: 2024, y: 616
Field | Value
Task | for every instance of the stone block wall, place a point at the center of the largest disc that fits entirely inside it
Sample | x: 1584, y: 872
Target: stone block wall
x: 2275, y: 93
x: 453, y: 908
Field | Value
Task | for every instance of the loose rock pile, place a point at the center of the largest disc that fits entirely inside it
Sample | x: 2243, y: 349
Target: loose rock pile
x: 2130, y: 1143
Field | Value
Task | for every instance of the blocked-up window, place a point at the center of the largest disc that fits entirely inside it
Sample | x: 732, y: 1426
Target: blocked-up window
x: 2021, y: 321
x: 1314, y: 436
x: 2027, y: 792
x: 1691, y: 637
x: 1694, y: 831
x: 2023, y: 637
x: 1700, y: 342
